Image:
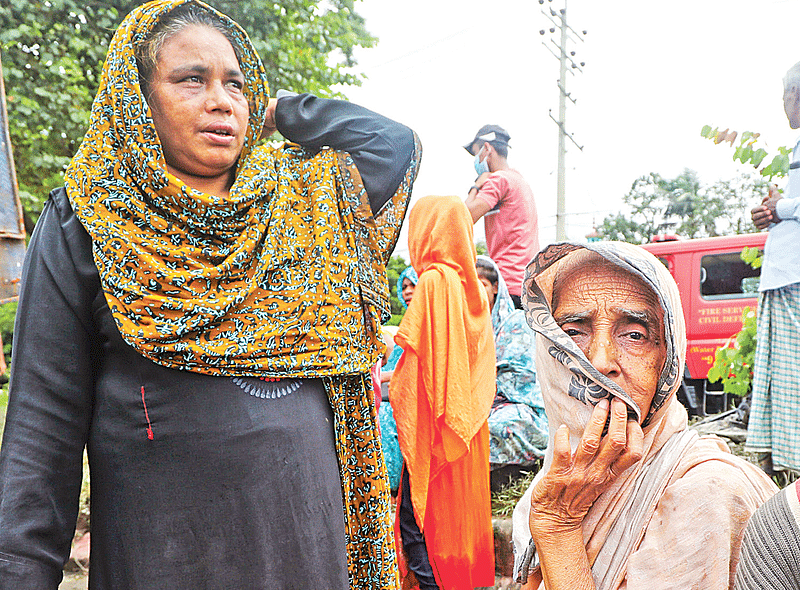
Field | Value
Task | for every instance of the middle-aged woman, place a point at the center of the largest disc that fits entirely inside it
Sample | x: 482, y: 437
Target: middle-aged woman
x: 628, y: 496
x: 200, y: 313
x: 442, y: 391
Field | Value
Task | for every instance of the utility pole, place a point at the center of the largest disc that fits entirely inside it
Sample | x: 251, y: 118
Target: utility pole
x: 559, y: 21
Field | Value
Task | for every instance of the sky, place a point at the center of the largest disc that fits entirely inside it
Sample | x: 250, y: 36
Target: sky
x: 655, y: 73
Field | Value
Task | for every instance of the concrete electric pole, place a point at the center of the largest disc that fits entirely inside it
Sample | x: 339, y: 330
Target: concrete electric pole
x: 558, y: 18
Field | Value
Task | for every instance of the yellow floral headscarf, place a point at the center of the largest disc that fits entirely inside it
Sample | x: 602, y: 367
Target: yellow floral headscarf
x: 283, y: 278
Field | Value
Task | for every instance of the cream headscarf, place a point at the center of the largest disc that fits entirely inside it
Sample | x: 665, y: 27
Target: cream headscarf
x: 615, y: 526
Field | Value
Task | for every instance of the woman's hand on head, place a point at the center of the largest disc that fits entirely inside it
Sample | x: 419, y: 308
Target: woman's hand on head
x: 560, y: 501
x: 270, y: 126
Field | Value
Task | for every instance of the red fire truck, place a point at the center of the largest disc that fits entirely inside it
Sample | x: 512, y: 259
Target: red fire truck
x: 715, y: 286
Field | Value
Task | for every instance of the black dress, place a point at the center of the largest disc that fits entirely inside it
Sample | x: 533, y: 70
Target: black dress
x: 196, y: 481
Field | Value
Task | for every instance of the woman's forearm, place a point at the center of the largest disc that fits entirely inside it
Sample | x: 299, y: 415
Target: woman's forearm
x: 563, y: 560
x: 380, y: 147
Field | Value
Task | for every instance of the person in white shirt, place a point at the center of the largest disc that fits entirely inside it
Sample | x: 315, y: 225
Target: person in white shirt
x: 775, y: 411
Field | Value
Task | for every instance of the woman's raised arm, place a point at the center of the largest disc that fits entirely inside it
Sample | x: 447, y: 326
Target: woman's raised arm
x: 381, y: 148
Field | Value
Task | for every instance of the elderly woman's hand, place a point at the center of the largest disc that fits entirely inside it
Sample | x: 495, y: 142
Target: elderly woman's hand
x: 564, y: 495
x: 560, y: 501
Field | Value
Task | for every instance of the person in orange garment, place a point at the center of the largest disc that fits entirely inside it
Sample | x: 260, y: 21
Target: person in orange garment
x: 442, y: 392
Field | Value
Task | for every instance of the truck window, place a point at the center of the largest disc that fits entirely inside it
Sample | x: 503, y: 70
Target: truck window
x: 726, y: 276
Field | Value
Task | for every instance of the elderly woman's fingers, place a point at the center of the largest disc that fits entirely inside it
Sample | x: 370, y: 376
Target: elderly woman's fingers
x: 633, y: 448
x: 615, y: 440
x: 573, y: 482
x: 593, y: 435
x: 270, y: 127
x: 598, y: 450
x: 562, y: 452
x: 617, y: 452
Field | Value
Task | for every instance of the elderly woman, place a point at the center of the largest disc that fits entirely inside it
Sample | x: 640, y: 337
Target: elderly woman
x: 628, y: 497
x: 200, y: 313
x: 517, y: 423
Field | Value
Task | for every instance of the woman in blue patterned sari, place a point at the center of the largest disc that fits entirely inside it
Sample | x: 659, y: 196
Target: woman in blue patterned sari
x: 517, y: 424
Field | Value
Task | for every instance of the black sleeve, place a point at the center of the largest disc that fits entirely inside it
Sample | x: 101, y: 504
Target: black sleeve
x: 50, y: 401
x: 381, y: 148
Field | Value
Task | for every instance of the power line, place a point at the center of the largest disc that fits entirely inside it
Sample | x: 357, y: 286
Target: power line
x: 425, y: 47
x: 566, y: 33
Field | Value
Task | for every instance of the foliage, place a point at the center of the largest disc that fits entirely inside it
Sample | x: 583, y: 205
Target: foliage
x: 785, y: 477
x: 53, y: 50
x: 394, y: 320
x: 733, y: 362
x: 8, y: 312
x: 752, y: 256
x: 683, y: 206
x: 748, y: 152
x: 393, y: 271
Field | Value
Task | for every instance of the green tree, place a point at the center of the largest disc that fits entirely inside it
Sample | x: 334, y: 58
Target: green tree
x: 733, y: 200
x: 684, y: 206
x: 52, y: 53
x: 397, y: 265
x: 646, y: 203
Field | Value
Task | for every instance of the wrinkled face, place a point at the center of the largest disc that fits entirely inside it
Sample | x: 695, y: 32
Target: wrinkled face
x: 199, y: 108
x: 408, y: 290
x: 491, y: 290
x: 618, y: 323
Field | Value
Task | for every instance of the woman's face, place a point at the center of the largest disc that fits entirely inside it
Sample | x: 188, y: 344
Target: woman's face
x: 491, y: 290
x: 618, y: 323
x: 199, y: 107
x: 408, y: 290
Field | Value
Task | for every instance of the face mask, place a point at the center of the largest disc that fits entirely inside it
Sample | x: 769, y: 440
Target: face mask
x: 480, y: 167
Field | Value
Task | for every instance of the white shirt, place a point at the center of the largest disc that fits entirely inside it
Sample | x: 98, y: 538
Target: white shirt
x: 781, y: 265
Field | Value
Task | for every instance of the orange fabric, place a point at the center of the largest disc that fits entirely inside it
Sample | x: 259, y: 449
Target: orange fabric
x: 442, y: 392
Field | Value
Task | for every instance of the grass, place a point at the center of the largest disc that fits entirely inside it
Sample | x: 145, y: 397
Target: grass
x: 504, y: 500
